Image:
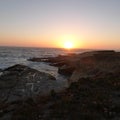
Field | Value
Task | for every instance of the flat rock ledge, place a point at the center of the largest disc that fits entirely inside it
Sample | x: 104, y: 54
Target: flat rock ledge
x: 20, y: 81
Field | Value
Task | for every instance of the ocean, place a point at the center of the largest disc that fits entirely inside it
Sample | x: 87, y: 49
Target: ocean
x: 10, y: 56
x: 18, y: 55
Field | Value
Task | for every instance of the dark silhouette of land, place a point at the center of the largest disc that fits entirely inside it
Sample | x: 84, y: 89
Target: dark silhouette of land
x: 93, y: 92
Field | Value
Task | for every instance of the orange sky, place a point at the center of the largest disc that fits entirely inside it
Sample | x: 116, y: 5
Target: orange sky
x: 50, y: 23
x: 58, y: 43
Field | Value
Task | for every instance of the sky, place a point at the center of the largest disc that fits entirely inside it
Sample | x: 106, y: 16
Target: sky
x: 49, y: 23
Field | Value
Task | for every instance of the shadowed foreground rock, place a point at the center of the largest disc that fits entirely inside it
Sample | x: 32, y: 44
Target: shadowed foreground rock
x: 20, y: 81
x: 66, y: 70
x: 93, y: 93
x: 87, y: 99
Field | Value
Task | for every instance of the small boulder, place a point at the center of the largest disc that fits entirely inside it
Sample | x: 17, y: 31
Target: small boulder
x: 66, y: 70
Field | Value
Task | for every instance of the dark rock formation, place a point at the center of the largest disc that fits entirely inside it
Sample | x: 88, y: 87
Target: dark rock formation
x: 1, y: 72
x: 65, y: 63
x: 66, y: 70
x: 87, y: 99
x: 93, y: 94
x: 85, y: 64
x: 58, y: 64
x: 96, y: 63
x: 20, y: 81
x: 58, y: 59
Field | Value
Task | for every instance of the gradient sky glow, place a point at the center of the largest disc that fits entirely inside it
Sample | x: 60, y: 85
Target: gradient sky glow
x: 47, y: 23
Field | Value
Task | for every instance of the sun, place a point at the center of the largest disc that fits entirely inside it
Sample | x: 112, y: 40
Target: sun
x: 68, y: 41
x: 68, y: 45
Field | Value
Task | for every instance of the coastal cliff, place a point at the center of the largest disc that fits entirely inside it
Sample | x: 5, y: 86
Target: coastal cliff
x: 93, y: 92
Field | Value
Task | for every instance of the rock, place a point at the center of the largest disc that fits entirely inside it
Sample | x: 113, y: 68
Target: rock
x: 19, y: 81
x: 87, y: 64
x: 92, y: 94
x: 58, y: 64
x: 96, y: 64
x: 66, y: 70
x: 1, y: 72
x: 60, y: 59
x: 39, y: 59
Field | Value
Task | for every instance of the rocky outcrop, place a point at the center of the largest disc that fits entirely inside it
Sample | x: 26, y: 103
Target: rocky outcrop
x: 65, y: 63
x: 66, y: 70
x: 97, y: 63
x: 93, y: 93
x: 87, y: 99
x: 1, y: 72
x: 20, y: 81
x: 58, y: 59
x: 85, y: 64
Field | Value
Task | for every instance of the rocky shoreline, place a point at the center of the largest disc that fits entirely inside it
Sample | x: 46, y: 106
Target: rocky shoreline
x: 93, y: 92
